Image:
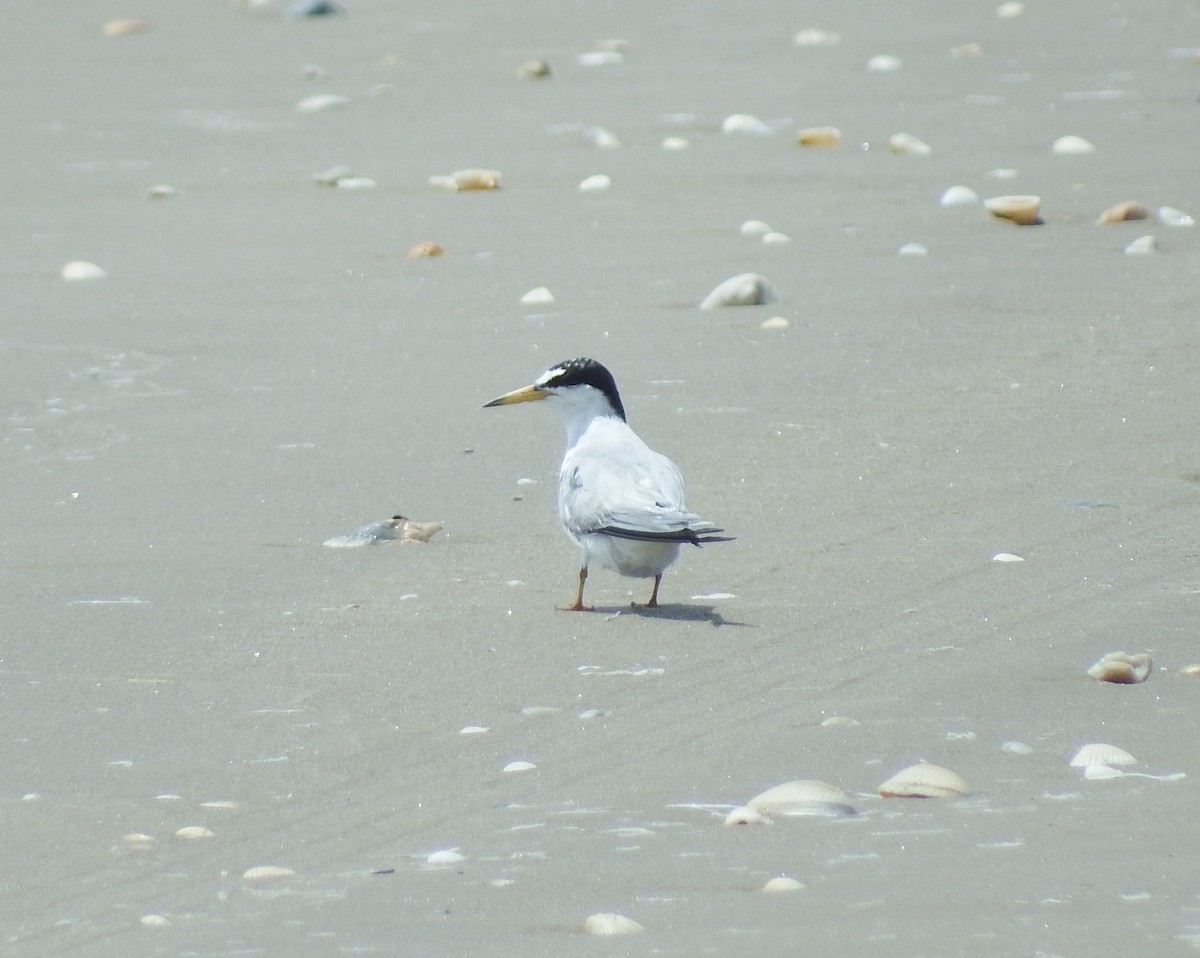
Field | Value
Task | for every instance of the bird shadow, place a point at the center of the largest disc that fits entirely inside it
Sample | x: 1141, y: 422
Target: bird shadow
x: 674, y: 612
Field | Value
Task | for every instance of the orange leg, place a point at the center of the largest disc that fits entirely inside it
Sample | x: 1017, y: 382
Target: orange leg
x: 653, y: 603
x: 579, y: 606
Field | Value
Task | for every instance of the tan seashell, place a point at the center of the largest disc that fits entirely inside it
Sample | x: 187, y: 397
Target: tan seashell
x: 791, y: 797
x: 1101, y: 753
x: 1022, y: 210
x: 124, y: 27
x: 819, y: 136
x: 745, y: 815
x: 266, y: 873
x: 464, y: 181
x: 782, y: 884
x: 420, y: 531
x: 907, y: 144
x: 924, y: 780
x: 192, y: 832
x: 1122, y: 669
x: 610, y: 923
x: 428, y: 248
x: 534, y: 70
x: 1127, y: 210
x: 1191, y: 670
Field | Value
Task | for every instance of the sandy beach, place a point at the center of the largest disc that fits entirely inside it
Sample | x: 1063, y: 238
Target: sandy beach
x: 264, y: 367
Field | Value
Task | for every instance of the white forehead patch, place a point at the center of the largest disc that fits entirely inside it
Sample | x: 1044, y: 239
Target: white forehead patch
x: 549, y: 374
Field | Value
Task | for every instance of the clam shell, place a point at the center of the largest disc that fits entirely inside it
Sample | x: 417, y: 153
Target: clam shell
x: 907, y: 144
x: 1022, y: 210
x: 610, y: 923
x: 924, y: 780
x: 745, y: 289
x: 819, y: 136
x: 1101, y: 753
x: 1170, y: 216
x: 1125, y: 210
x: 1121, y: 668
x: 782, y: 884
x: 796, y: 798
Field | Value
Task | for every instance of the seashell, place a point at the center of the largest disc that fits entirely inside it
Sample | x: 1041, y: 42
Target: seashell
x: 602, y: 138
x: 970, y: 49
x: 138, y: 840
x: 774, y: 238
x: 1072, y: 146
x: 425, y: 249
x: 610, y: 923
x: 1101, y: 773
x: 924, y: 780
x: 819, y: 136
x: 1014, y: 747
x: 397, y: 527
x: 775, y: 322
x: 154, y: 921
x: 1007, y: 557
x: 355, y: 183
x: 1022, y: 210
x: 1011, y: 10
x: 745, y: 123
x: 600, y: 58
x: 594, y: 184
x: 1169, y: 216
x: 754, y: 228
x: 913, y: 249
x: 1122, y: 669
x: 884, y: 63
x: 473, y: 730
x: 1100, y: 753
x: 124, y: 27
x: 1127, y: 210
x: 81, y: 269
x: 447, y: 856
x: 519, y: 767
x: 321, y: 101
x: 266, y: 873
x: 1142, y: 246
x: 782, y: 883
x: 745, y: 289
x: 840, y: 720
x: 815, y: 37
x: 675, y: 143
x: 1191, y: 670
x: 745, y: 815
x: 539, y: 296
x: 959, y: 196
x: 192, y: 832
x: 162, y: 191
x: 908, y: 145
x: 1002, y: 173
x: 533, y: 70
x: 465, y: 181
x: 801, y: 797
x: 331, y: 176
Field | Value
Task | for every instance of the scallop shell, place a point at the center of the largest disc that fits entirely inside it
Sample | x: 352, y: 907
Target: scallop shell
x: 427, y: 248
x: 924, y: 780
x: 464, y: 181
x: 819, y: 136
x: 610, y: 923
x: 1022, y: 210
x: 790, y: 798
x: 1125, y: 210
x: 1101, y: 753
x: 907, y: 144
x: 1121, y: 668
x: 745, y: 289
x: 782, y: 883
x: 1072, y: 146
x: 266, y: 872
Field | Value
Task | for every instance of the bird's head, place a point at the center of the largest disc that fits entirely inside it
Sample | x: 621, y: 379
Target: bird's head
x: 577, y: 386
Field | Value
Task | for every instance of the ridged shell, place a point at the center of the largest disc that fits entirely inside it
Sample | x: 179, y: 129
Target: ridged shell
x: 1121, y: 668
x: 924, y: 780
x: 1101, y: 753
x: 610, y: 923
x: 790, y: 798
x: 1022, y: 210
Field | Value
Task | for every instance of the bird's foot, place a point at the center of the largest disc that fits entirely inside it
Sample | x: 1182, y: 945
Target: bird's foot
x: 652, y: 604
x: 577, y: 607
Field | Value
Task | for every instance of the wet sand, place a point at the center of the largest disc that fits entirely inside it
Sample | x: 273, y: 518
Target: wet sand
x: 263, y: 369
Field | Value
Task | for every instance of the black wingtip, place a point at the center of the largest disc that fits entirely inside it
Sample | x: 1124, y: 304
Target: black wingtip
x: 682, y: 536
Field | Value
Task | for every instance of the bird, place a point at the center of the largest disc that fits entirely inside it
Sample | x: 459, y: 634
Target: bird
x: 620, y: 501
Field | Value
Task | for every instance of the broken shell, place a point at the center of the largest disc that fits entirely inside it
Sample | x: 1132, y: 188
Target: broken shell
x: 1022, y: 210
x: 745, y: 815
x: 138, y: 840
x: 191, y: 832
x: 924, y: 780
x: 782, y: 884
x: 1127, y: 210
x: 355, y: 183
x: 465, y: 181
x: 428, y: 248
x: 266, y: 873
x: 594, y: 184
x: 1072, y: 146
x: 81, y: 269
x: 538, y: 296
x: 959, y: 196
x: 413, y: 531
x: 124, y: 27
x: 1142, y: 246
x: 447, y: 856
x: 1122, y: 669
x: 819, y: 136
x: 745, y: 123
x: 1011, y: 10
x: 610, y: 923
x: 908, y: 145
x: 1100, y: 753
x: 154, y: 921
x: 745, y: 289
x: 321, y: 101
x: 1190, y: 670
x: 533, y: 70
x: 519, y: 767
x: 800, y: 798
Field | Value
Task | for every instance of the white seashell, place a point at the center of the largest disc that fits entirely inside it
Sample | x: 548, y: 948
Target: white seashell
x: 191, y: 832
x: 609, y: 923
x: 467, y: 180
x: 754, y: 228
x: 775, y: 239
x: 1142, y: 246
x: 80, y: 270
x: 745, y: 123
x: 473, y: 730
x: 594, y: 184
x: 1122, y: 669
x: 1016, y: 748
x: 1022, y: 210
x: 321, y: 101
x: 1007, y: 557
x: 1100, y: 753
x: 600, y: 58
x: 675, y: 143
x: 355, y: 183
x: 908, y: 145
x: 823, y: 136
x: 538, y: 296
x: 1011, y: 10
x: 775, y: 322
x: 266, y: 873
x: 124, y: 27
x: 1002, y: 173
x: 884, y: 63
x: 1126, y: 210
x: 913, y: 249
x: 1099, y: 773
x: 602, y: 138
x: 804, y: 797
x: 1169, y: 216
x: 745, y: 815
x: 162, y: 191
x: 137, y: 840
x: 745, y: 289
x: 447, y: 856
x: 154, y: 921
x: 1072, y: 146
x: 835, y: 721
x: 815, y: 37
x: 924, y: 780
x: 959, y: 196
x: 782, y: 884
x: 519, y: 767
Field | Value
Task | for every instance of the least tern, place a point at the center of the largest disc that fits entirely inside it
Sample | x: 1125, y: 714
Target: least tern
x: 619, y: 500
